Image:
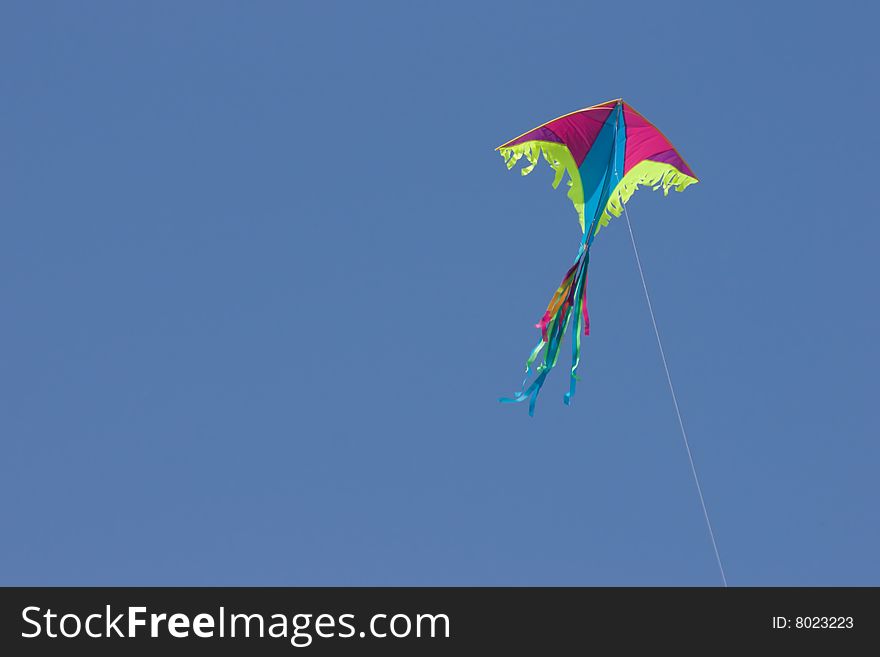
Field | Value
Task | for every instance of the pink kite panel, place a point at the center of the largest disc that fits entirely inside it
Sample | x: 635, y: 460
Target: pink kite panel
x: 645, y: 142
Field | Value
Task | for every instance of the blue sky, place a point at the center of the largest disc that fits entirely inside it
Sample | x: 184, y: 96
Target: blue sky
x: 263, y: 279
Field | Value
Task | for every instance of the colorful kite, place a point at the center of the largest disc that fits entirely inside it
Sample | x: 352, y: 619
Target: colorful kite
x: 608, y: 150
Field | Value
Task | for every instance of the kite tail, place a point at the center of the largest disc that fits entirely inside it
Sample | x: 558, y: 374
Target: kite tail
x: 569, y: 304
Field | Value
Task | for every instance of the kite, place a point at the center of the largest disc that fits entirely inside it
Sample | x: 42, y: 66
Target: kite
x: 607, y: 150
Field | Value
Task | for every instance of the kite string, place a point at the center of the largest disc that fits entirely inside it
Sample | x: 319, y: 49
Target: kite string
x: 674, y: 399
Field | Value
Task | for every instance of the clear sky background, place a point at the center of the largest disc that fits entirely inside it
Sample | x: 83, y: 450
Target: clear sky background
x: 263, y: 278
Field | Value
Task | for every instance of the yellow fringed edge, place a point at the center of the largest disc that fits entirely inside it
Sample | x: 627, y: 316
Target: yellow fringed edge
x: 559, y: 158
x: 646, y: 172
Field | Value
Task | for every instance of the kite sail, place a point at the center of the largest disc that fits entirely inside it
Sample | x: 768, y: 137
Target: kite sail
x: 607, y: 150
